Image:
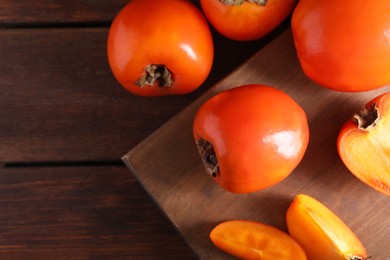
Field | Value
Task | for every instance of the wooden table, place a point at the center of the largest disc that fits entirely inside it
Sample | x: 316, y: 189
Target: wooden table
x: 65, y: 123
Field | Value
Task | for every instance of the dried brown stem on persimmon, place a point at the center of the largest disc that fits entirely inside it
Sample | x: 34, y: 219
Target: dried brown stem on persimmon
x: 207, y: 153
x: 358, y: 258
x: 155, y: 72
x: 240, y: 2
x: 367, y: 117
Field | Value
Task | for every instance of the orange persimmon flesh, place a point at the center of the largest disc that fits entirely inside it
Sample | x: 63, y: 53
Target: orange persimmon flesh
x: 365, y: 147
x: 321, y: 233
x: 254, y: 240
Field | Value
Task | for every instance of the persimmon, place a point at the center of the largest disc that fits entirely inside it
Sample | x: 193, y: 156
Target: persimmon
x: 250, y: 137
x: 364, y: 144
x: 160, y: 47
x: 320, y: 232
x: 246, y: 20
x: 255, y: 240
x: 343, y: 45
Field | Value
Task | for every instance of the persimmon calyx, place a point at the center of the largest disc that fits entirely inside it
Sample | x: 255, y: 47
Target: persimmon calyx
x: 354, y: 257
x: 240, y: 2
x: 155, y: 72
x: 209, y: 158
x: 367, y: 117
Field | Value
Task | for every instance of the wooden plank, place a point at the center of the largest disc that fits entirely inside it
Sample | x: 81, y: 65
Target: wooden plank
x: 168, y: 166
x: 61, y: 12
x: 46, y: 12
x: 60, y: 101
x: 82, y: 213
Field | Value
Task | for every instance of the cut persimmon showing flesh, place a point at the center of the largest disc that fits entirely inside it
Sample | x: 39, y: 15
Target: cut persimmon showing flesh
x: 364, y: 144
x: 254, y: 240
x: 321, y: 233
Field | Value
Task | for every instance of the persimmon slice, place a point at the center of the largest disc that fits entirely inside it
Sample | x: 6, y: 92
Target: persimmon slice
x: 364, y: 144
x: 321, y: 233
x: 254, y: 240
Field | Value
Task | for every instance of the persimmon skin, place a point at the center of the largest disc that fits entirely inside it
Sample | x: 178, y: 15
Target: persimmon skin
x: 366, y: 152
x: 248, y: 21
x: 321, y: 233
x: 172, y: 33
x: 259, y: 135
x: 343, y: 45
x: 255, y: 240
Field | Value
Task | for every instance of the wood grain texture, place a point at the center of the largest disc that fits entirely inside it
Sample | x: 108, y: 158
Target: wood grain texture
x: 168, y: 166
x: 60, y: 101
x: 61, y: 108
x: 60, y: 96
x: 49, y: 12
x: 82, y: 213
x: 25, y: 13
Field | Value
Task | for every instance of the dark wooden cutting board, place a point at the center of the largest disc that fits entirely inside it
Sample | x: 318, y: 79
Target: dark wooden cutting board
x: 168, y: 166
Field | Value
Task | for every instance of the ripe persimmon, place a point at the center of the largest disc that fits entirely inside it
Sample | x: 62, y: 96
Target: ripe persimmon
x: 364, y: 144
x: 343, y: 45
x: 251, y: 137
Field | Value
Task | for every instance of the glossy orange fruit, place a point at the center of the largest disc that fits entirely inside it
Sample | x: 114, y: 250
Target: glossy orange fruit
x: 250, y: 137
x: 244, y: 20
x: 160, y: 47
x: 342, y: 44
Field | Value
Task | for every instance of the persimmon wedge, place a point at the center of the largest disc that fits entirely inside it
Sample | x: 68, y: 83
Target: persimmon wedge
x: 255, y: 240
x: 321, y: 233
x: 364, y: 144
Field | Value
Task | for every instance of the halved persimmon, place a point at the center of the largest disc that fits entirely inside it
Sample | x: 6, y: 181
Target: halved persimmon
x: 254, y: 240
x: 321, y: 233
x: 364, y: 144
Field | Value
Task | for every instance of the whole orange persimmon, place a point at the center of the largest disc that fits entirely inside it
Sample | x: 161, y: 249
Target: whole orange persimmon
x: 245, y: 20
x: 160, y: 47
x: 364, y: 144
x: 342, y: 44
x: 250, y: 137
x: 320, y: 232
